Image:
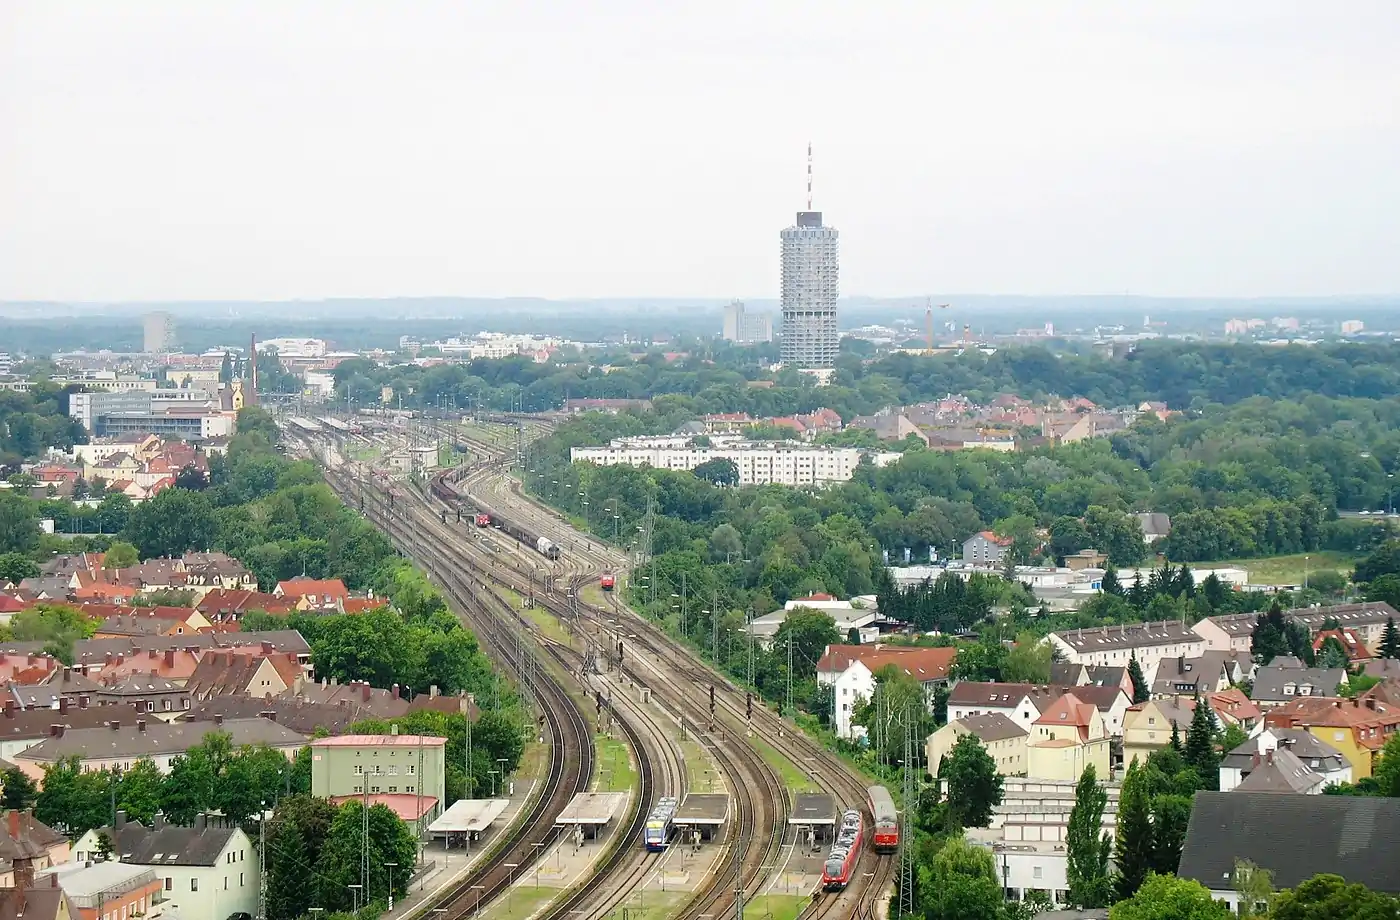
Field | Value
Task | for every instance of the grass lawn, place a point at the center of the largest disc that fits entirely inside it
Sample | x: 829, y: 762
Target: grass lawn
x: 613, y: 768
x: 520, y: 902
x: 548, y: 624
x: 697, y: 761
x: 534, y: 760
x: 1286, y: 570
x: 651, y: 905
x: 793, y: 778
x: 775, y: 907
x: 593, y: 595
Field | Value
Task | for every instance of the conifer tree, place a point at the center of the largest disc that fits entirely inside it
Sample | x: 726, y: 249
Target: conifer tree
x: 1132, y: 848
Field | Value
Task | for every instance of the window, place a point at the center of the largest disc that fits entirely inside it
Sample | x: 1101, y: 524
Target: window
x: 185, y: 703
x: 240, y: 880
x: 169, y: 883
x: 1036, y: 872
x: 393, y: 769
x: 194, y: 884
x: 359, y: 769
x: 167, y: 705
x: 225, y: 883
x: 410, y: 769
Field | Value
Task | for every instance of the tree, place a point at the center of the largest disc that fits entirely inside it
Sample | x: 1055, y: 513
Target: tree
x: 726, y: 543
x: 175, y: 521
x: 289, y: 879
x: 721, y: 471
x: 15, y: 567
x: 192, y: 478
x: 974, y: 785
x: 1132, y: 846
x: 120, y: 555
x: 1270, y: 637
x: 73, y: 800
x: 1200, y: 753
x: 1028, y: 661
x: 19, y: 525
x: 390, y: 841
x: 1387, y: 773
x: 1332, y: 655
x: 139, y: 790
x: 1163, y: 897
x: 1109, y: 584
x: 19, y: 792
x: 1087, y: 845
x: 1390, y: 640
x: 1068, y: 536
x: 1329, y: 897
x: 963, y: 884
x: 1141, y: 692
x: 1254, y: 888
x: 1116, y: 533
x: 1170, y: 815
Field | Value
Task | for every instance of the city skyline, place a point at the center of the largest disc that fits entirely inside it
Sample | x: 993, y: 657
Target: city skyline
x: 165, y: 152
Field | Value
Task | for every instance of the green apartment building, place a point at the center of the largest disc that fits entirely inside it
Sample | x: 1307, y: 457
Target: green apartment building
x: 405, y: 772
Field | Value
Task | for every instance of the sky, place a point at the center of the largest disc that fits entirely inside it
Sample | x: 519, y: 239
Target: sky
x: 274, y: 149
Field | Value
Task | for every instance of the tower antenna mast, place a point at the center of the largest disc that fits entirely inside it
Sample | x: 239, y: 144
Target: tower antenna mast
x: 809, y: 175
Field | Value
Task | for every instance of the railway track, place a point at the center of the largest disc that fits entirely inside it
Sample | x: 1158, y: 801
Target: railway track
x: 876, y: 872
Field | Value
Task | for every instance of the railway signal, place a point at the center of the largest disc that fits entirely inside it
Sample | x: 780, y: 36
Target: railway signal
x: 712, y: 699
x: 599, y: 695
x: 748, y: 705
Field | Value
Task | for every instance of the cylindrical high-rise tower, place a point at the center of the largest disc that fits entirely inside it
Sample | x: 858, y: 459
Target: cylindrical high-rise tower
x: 811, y: 262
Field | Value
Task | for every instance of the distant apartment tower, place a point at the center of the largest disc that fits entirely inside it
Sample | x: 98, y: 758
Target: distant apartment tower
x: 811, y: 259
x: 159, y: 329
x: 744, y: 328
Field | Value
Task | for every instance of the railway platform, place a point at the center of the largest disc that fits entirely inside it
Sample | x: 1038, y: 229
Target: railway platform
x: 701, y: 813
x: 451, y: 863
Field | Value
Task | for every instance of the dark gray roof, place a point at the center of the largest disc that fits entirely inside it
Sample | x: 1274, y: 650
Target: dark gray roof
x: 1154, y: 523
x: 1065, y: 673
x: 1279, y: 771
x: 298, y: 715
x: 1106, y: 675
x: 1369, y: 612
x: 130, y: 740
x: 1190, y: 675
x: 1304, y: 745
x: 992, y: 726
x: 282, y: 640
x: 1269, y: 682
x: 1129, y: 635
x: 169, y: 844
x: 1295, y: 837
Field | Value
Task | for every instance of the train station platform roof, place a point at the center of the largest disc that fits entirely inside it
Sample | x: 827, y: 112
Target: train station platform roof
x: 702, y: 809
x: 469, y: 815
x: 813, y: 808
x: 592, y: 808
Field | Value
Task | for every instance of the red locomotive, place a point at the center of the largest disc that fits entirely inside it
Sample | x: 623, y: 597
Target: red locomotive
x: 483, y: 520
x: 606, y: 581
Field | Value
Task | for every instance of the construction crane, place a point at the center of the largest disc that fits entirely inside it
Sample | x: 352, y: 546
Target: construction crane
x: 928, y: 321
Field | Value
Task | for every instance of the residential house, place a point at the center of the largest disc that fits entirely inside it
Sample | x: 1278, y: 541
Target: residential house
x: 1232, y: 707
x: 27, y: 842
x: 1384, y: 668
x: 1234, y: 631
x: 1111, y: 701
x: 850, y: 671
x: 1279, y: 771
x: 228, y: 606
x: 1294, y: 837
x: 1104, y: 675
x: 375, y: 702
x: 121, y: 744
x: 146, y: 692
x: 205, y: 871
x: 1182, y: 676
x: 1155, y: 526
x: 21, y: 729
x: 1021, y: 703
x: 1118, y: 645
x: 1068, y: 674
x: 985, y: 548
x: 217, y: 571
x: 1286, y: 679
x: 102, y: 890
x: 312, y: 594
x: 1351, y: 643
x: 300, y: 716
x: 9, y: 606
x: 1069, y: 736
x: 1004, y: 740
x: 31, y: 901
x: 890, y: 426
x: 1357, y: 728
x: 242, y: 672
x: 1147, y: 727
x: 1318, y: 756
x: 397, y: 770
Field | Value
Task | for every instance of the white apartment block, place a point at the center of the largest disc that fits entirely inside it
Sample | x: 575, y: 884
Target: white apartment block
x: 759, y: 464
x: 1118, y: 645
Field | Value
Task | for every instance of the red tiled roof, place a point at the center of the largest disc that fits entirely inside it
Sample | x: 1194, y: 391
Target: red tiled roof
x: 1069, y: 710
x: 322, y: 587
x: 924, y: 664
x: 380, y: 741
x: 406, y: 805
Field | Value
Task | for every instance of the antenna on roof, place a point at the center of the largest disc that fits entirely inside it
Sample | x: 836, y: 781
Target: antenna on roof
x: 809, y: 175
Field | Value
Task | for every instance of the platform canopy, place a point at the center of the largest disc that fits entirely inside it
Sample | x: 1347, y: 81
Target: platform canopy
x: 813, y: 808
x: 702, y: 809
x: 592, y: 808
x: 469, y: 816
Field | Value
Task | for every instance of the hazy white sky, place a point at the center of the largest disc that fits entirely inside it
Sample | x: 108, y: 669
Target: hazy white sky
x: 173, y: 150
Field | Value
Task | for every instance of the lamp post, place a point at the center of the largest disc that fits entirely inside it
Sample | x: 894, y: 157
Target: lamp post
x: 476, y: 908
x: 493, y: 782
x: 354, y: 897
x: 501, y: 763
x: 391, y: 866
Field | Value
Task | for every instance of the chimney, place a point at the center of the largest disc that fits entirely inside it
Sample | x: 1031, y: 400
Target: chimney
x: 55, y: 731
x: 432, y: 691
x: 1371, y: 703
x: 269, y: 714
x: 201, y: 822
x: 1181, y: 664
x: 267, y: 647
x: 141, y: 725
x: 24, y: 880
x: 169, y: 657
x: 114, y: 724
x: 1270, y: 758
x: 109, y: 658
x: 364, y: 691
x: 1254, y: 759
x: 218, y: 719
x: 67, y: 674
x: 62, y: 705
x: 394, y: 691
x: 150, y: 653
x: 13, y: 818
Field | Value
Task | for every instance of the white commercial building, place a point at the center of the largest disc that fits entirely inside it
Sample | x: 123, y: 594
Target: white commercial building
x: 295, y: 347
x: 758, y: 463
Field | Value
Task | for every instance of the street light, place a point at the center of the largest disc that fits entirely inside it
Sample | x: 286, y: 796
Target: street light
x: 355, y: 897
x: 493, y: 781
x: 502, y: 762
x: 476, y: 908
